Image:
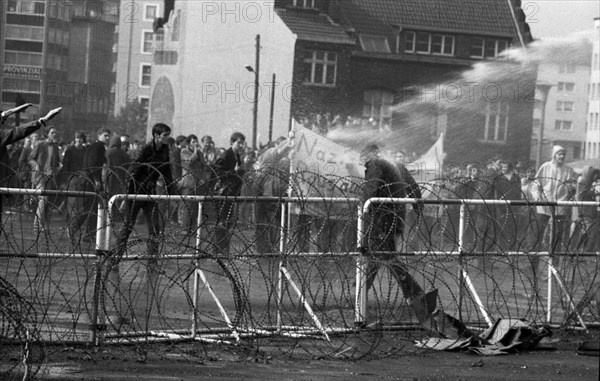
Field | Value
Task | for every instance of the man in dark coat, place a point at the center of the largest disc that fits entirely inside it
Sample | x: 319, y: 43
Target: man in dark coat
x: 11, y: 135
x: 385, y: 222
x: 94, y: 161
x: 152, y: 169
x: 228, y: 182
x: 70, y: 174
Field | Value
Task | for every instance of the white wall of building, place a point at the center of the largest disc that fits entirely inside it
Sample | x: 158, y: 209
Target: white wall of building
x: 213, y: 93
x: 592, y: 138
x: 565, y: 105
x: 135, y: 19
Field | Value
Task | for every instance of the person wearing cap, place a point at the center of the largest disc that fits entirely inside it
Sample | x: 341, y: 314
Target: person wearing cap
x: 556, y: 182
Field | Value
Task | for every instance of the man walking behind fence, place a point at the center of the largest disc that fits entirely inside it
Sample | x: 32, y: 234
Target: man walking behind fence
x: 150, y: 168
x: 385, y: 222
x: 94, y: 161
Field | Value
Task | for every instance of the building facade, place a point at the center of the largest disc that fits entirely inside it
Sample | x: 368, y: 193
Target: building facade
x: 592, y: 136
x: 135, y: 50
x: 25, y: 39
x: 205, y: 70
x: 369, y: 59
x: 565, y: 113
x: 57, y: 53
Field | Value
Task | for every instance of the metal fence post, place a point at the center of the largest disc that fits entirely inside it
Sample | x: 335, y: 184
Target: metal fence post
x: 196, y: 275
x: 101, y: 246
x: 360, y: 313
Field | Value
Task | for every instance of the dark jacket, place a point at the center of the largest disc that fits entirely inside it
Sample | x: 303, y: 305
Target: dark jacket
x: 227, y: 180
x: 94, y: 160
x: 72, y: 163
x: 117, y: 162
x: 9, y: 136
x: 151, y: 164
x: 586, y: 192
x: 383, y: 179
x: 505, y: 189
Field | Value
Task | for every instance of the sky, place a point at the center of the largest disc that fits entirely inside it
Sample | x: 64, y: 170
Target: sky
x: 560, y: 18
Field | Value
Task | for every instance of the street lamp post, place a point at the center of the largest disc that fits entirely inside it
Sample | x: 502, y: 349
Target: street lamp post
x: 543, y: 89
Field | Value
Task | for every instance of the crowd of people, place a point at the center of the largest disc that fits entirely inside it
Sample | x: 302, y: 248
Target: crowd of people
x: 193, y: 166
x: 198, y: 167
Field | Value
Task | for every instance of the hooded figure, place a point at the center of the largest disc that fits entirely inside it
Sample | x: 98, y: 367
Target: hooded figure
x: 117, y: 161
x: 556, y: 182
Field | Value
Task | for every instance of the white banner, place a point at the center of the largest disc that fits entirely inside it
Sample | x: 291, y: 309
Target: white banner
x: 323, y: 168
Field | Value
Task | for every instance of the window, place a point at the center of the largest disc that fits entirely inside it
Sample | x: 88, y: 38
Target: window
x: 487, y: 47
x: 150, y: 12
x: 566, y: 86
x: 304, y: 3
x: 377, y: 104
x: 371, y: 43
x: 563, y: 125
x: 576, y: 152
x: 147, y: 42
x: 496, y: 122
x: 593, y: 122
x: 427, y: 43
x: 21, y: 85
x: 423, y: 43
x: 477, y: 45
x: 39, y: 8
x: 409, y: 42
x: 321, y: 68
x: 21, y: 32
x: 566, y: 68
x: 443, y: 45
x: 564, y: 106
x: 26, y: 7
x: 145, y: 105
x: 146, y: 77
x: 22, y: 58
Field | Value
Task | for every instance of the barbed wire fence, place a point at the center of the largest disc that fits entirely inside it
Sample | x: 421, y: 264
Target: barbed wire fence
x: 275, y: 274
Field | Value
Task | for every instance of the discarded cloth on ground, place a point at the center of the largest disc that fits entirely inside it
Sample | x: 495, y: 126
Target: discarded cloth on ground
x: 504, y: 337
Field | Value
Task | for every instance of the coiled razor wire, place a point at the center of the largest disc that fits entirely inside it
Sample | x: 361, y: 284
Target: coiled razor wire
x: 282, y: 289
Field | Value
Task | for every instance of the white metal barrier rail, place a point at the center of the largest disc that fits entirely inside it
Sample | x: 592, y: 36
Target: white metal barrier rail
x: 199, y: 275
x: 104, y: 231
x: 361, y: 289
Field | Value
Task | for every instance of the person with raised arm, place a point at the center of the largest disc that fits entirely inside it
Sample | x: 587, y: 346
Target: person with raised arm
x: 14, y: 134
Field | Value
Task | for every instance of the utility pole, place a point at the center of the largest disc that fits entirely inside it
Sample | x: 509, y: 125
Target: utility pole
x: 256, y: 93
x: 272, y: 108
